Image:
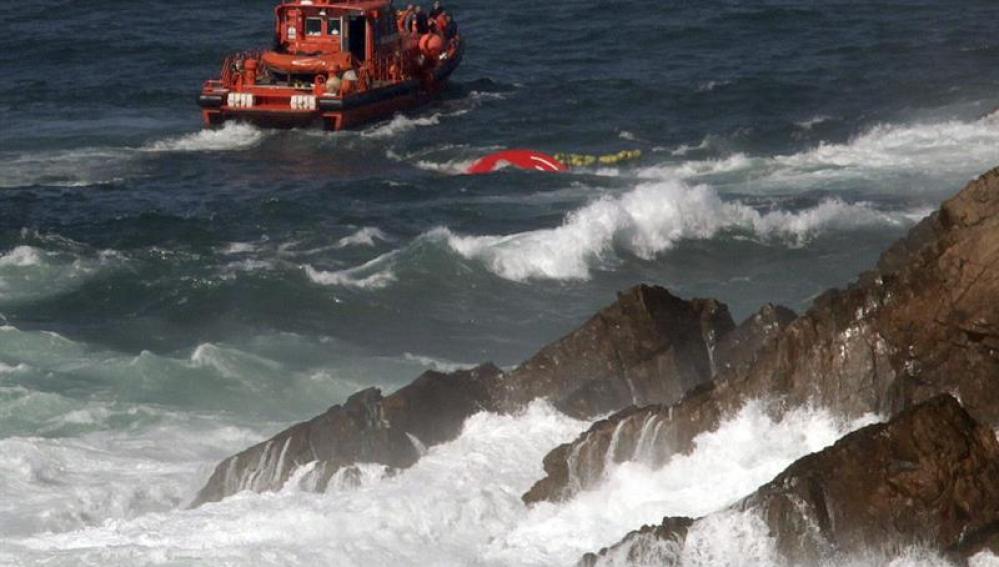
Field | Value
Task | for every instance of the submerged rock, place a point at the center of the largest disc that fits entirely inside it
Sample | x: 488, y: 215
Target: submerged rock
x: 925, y: 322
x: 929, y: 477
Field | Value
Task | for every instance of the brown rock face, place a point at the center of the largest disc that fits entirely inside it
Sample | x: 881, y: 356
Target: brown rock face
x: 929, y: 477
x: 925, y: 322
x: 647, y: 347
x: 368, y: 427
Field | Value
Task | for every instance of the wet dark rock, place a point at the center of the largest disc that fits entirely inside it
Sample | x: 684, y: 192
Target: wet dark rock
x: 367, y: 428
x: 929, y: 477
x: 738, y: 349
x: 926, y: 321
x: 659, y: 544
x: 648, y: 347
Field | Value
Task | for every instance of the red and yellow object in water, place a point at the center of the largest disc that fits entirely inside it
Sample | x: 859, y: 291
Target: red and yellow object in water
x: 538, y: 161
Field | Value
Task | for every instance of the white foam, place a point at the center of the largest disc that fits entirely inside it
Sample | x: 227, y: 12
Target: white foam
x: 399, y: 124
x: 983, y: 559
x: 366, y: 236
x: 437, y: 364
x: 239, y: 248
x: 460, y: 505
x: 708, y: 86
x: 442, y: 511
x: 61, y: 484
x: 886, y: 158
x: 30, y: 272
x: 646, y: 221
x: 231, y: 136
x: 22, y: 256
x: 368, y: 276
x: 448, y: 167
x: 725, y: 465
x: 812, y: 122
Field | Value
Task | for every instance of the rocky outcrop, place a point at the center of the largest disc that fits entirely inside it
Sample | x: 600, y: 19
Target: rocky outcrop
x: 929, y: 477
x: 647, y: 347
x: 660, y: 544
x: 925, y: 321
x: 393, y: 431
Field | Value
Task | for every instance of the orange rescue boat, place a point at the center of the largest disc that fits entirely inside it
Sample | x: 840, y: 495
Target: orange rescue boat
x: 334, y: 64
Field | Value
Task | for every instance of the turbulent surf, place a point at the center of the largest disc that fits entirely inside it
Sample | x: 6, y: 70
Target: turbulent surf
x: 172, y: 295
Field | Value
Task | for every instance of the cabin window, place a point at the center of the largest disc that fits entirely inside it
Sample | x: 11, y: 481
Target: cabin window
x: 333, y: 26
x: 313, y: 27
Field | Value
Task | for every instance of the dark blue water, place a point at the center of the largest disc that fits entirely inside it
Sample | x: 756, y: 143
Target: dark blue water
x: 151, y: 271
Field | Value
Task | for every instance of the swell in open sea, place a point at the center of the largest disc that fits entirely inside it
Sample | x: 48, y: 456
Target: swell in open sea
x: 170, y: 295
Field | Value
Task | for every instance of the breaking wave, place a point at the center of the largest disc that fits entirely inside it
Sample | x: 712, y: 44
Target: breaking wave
x: 917, y: 157
x: 367, y: 236
x: 460, y: 504
x: 30, y: 272
x: 375, y: 274
x: 650, y: 219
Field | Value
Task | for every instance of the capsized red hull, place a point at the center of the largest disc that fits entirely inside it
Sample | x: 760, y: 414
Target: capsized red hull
x: 522, y: 159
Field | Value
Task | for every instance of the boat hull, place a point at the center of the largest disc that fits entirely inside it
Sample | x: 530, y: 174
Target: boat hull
x: 332, y: 112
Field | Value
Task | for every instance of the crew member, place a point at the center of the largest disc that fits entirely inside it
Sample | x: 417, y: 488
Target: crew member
x: 405, y: 20
x: 436, y: 10
x: 420, y: 23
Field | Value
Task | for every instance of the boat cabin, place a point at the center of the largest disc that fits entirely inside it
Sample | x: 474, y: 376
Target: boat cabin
x: 316, y: 27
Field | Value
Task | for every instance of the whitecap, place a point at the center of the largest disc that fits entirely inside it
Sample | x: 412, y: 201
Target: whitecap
x: 646, y: 221
x: 366, y: 236
x: 375, y: 274
x: 231, y: 136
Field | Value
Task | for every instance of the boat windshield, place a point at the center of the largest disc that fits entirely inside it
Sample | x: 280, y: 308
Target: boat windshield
x: 313, y: 27
x: 333, y: 26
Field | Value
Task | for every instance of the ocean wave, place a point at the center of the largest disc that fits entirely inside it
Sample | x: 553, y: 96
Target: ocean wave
x: 274, y: 376
x: 29, y: 272
x: 65, y: 484
x: 83, y: 167
x: 812, y: 122
x: 230, y: 137
x: 64, y: 168
x: 437, y: 364
x: 460, y: 504
x: 370, y: 275
x: 648, y: 220
x: 885, y: 158
x: 366, y: 236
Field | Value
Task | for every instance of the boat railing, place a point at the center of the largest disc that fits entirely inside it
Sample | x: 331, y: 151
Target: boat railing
x: 232, y: 66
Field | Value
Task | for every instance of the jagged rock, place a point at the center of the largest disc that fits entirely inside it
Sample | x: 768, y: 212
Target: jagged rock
x: 925, y: 322
x: 738, y: 349
x: 659, y: 544
x: 929, y: 477
x: 648, y: 347
x: 368, y: 427
x: 636, y: 433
